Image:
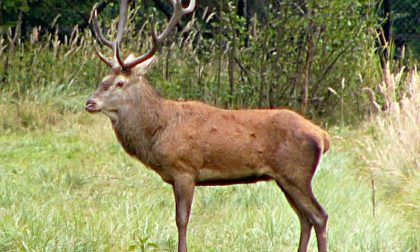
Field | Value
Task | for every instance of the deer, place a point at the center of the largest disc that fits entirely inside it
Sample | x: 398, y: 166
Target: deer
x: 189, y: 143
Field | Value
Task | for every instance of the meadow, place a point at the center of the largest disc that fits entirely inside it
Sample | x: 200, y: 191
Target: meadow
x: 72, y: 188
x: 67, y: 185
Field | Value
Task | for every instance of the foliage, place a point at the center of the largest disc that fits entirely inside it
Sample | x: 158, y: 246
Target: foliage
x: 14, y: 6
x: 42, y: 13
x: 334, y: 34
x: 406, y: 26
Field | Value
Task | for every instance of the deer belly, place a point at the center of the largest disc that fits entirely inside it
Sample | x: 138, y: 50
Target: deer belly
x: 223, y: 177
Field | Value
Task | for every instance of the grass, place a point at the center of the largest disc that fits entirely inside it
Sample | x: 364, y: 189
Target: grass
x: 72, y: 188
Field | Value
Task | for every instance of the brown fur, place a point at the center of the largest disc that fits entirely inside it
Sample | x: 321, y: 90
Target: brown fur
x: 191, y: 144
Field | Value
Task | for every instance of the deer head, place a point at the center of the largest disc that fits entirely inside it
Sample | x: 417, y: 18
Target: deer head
x: 116, y: 90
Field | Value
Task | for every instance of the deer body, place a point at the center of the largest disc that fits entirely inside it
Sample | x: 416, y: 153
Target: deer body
x: 193, y: 144
x: 215, y: 146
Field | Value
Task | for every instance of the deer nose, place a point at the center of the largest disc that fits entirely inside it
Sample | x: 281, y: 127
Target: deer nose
x: 91, y: 105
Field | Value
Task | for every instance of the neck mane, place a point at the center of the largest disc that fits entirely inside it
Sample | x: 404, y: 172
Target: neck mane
x: 140, y: 123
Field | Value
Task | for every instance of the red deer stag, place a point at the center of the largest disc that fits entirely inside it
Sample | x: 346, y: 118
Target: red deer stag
x: 193, y: 144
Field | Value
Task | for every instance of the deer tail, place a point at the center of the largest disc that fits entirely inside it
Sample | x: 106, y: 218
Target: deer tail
x: 327, y: 141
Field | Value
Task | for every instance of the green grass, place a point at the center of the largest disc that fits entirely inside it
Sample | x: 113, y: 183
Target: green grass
x: 72, y: 188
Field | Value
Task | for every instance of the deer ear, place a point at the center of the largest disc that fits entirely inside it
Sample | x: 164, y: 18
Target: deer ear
x: 143, y: 67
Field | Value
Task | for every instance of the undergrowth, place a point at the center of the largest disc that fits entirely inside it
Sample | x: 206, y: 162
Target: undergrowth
x: 391, y: 146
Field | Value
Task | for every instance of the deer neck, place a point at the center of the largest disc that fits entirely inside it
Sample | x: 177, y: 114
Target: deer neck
x: 139, y: 124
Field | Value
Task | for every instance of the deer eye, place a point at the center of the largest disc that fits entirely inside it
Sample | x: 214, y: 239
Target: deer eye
x: 120, y: 84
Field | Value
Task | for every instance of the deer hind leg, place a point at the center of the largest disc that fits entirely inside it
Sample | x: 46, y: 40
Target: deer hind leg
x: 309, y: 211
x: 183, y: 187
x: 305, y: 224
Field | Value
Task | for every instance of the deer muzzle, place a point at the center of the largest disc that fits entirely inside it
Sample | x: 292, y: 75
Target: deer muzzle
x: 92, y: 106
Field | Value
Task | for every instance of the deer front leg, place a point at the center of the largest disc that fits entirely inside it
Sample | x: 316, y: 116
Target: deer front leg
x: 183, y: 187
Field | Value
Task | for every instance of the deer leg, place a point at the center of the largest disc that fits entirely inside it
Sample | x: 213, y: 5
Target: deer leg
x: 305, y: 224
x: 310, y: 209
x: 183, y: 187
x: 321, y: 227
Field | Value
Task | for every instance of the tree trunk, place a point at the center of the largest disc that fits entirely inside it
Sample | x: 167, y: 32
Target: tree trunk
x: 243, y: 12
x: 231, y: 69
x: 307, y: 68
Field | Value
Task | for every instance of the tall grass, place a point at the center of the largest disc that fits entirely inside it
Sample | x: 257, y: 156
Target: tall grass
x: 391, y: 148
x: 44, y: 78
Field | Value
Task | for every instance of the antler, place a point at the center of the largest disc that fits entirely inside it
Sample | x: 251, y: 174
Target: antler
x: 179, y: 11
x: 120, y: 31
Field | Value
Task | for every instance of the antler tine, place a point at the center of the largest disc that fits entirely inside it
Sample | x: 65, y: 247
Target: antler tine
x: 147, y: 55
x: 118, y: 56
x: 104, y: 59
x: 179, y: 11
x: 98, y: 31
x: 190, y: 8
x: 122, y: 20
x: 172, y: 22
x: 120, y: 31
